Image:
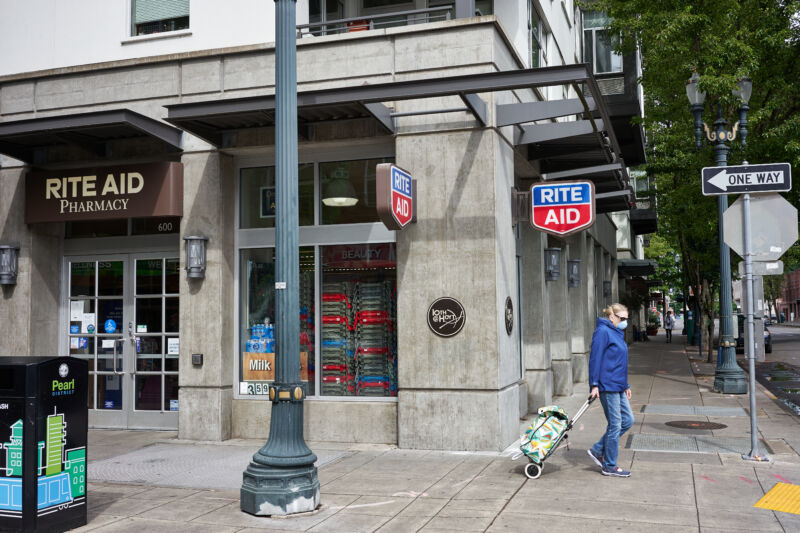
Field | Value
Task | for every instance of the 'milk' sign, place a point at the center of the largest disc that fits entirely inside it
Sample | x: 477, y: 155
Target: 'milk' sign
x: 396, y: 196
x: 562, y: 208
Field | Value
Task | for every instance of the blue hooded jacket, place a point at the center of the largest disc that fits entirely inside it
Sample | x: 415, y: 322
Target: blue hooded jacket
x: 608, y: 362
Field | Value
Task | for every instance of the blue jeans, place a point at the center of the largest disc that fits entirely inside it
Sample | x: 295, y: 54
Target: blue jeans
x: 620, y: 419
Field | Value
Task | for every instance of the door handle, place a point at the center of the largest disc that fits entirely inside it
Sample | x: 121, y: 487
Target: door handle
x: 116, y: 359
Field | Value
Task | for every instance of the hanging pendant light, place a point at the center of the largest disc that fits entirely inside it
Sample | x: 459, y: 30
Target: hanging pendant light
x: 340, y: 192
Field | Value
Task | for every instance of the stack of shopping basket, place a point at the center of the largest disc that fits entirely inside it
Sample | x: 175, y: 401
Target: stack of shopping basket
x: 338, y: 364
x: 373, y: 340
x: 307, y: 322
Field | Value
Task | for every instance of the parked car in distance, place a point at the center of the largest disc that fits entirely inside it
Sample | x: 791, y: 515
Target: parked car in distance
x: 767, y: 340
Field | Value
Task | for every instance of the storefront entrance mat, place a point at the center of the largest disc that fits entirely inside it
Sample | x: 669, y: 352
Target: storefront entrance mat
x: 782, y: 497
x: 207, y: 466
x: 699, y: 410
x: 642, y: 442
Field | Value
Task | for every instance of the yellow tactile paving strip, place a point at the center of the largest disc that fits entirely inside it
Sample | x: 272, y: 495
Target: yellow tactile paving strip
x: 782, y: 497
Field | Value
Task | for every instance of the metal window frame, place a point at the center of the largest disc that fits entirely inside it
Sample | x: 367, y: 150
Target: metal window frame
x: 315, y: 236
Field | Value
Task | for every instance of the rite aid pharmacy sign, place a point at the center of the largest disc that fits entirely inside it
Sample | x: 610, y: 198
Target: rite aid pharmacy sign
x: 396, y: 196
x: 562, y: 208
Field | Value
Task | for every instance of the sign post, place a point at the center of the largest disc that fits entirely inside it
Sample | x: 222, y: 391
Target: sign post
x: 772, y: 231
x: 562, y: 208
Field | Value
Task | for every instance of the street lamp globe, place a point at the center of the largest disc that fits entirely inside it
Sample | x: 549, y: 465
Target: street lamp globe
x: 693, y: 93
x: 744, y: 88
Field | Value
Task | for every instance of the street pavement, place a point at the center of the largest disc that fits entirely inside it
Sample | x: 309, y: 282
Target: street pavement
x: 132, y: 486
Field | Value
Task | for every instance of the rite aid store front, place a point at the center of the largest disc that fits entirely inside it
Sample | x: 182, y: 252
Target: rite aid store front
x: 195, y: 351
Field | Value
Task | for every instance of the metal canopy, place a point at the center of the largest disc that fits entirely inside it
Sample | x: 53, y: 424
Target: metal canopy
x: 586, y: 147
x: 209, y: 119
x: 26, y: 139
x: 608, y: 202
x: 636, y: 267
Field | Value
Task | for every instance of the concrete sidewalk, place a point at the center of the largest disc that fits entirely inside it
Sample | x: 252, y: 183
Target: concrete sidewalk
x: 701, y: 485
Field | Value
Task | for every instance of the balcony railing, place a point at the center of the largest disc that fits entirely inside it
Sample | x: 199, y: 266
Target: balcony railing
x: 371, y: 22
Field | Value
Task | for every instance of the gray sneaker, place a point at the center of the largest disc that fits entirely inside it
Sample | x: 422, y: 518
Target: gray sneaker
x: 598, y: 459
x: 615, y: 471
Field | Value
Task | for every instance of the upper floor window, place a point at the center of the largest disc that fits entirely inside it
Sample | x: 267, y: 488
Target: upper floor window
x: 158, y: 16
x: 538, y: 38
x: 598, y: 44
x: 484, y: 7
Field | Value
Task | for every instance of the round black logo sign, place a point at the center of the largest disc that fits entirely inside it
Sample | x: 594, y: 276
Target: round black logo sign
x: 509, y: 316
x: 446, y: 317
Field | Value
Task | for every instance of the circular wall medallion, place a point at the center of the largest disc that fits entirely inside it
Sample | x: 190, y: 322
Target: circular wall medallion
x: 695, y: 424
x: 509, y: 315
x: 446, y: 317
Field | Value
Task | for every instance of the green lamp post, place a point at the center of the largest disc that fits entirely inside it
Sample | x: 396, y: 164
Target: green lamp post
x: 729, y: 377
x: 282, y: 479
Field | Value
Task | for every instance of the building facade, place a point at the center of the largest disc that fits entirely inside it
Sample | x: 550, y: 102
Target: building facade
x: 114, y: 155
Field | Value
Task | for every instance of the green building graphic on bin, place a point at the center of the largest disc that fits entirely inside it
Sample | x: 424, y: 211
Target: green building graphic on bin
x: 61, y: 478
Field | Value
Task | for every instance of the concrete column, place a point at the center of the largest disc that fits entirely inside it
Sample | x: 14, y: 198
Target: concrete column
x: 560, y: 350
x: 534, y: 315
x: 208, y: 209
x: 459, y: 392
x: 28, y: 322
x: 579, y: 322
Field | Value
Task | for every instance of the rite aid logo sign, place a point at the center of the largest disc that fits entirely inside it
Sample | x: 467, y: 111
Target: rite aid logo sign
x: 562, y: 208
x: 396, y: 196
x: 446, y: 317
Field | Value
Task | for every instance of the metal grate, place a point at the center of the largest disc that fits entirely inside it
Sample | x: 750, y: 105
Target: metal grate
x: 699, y: 410
x: 687, y: 443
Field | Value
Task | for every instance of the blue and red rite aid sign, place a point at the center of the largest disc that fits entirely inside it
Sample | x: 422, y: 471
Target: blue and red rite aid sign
x: 562, y: 208
x: 395, y: 196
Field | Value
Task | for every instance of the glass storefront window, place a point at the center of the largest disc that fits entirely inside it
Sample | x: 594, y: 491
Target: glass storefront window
x: 257, y: 318
x: 257, y: 196
x: 359, y: 317
x: 349, y: 179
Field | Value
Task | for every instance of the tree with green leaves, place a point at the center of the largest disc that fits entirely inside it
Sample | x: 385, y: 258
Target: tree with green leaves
x: 723, y: 41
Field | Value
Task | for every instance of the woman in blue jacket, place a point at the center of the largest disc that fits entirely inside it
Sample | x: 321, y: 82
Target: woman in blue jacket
x: 608, y: 379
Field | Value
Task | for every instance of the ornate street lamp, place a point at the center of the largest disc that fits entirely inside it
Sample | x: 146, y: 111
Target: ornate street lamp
x: 282, y: 479
x: 729, y: 377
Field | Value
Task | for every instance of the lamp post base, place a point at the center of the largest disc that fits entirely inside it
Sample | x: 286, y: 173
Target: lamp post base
x: 279, y: 491
x: 730, y: 381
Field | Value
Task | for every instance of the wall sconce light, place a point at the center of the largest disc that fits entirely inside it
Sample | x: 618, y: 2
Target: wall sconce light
x: 195, y: 256
x: 606, y: 289
x: 340, y: 192
x: 552, y: 264
x: 9, y: 262
x: 574, y: 273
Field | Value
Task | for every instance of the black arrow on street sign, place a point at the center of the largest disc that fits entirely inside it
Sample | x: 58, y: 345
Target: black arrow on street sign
x: 770, y: 177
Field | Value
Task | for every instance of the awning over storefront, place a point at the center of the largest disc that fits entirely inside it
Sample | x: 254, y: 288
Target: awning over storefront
x: 585, y: 148
x: 636, y: 267
x: 644, y: 221
x: 29, y: 140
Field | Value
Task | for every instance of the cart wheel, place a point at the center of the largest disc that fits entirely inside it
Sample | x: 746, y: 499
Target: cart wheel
x: 533, y: 471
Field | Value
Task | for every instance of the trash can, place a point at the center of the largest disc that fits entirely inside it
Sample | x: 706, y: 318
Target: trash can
x: 690, y: 338
x: 43, y: 430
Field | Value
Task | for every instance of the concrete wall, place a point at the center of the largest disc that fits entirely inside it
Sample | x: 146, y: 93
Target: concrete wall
x: 28, y: 325
x: 206, y: 305
x: 57, y: 34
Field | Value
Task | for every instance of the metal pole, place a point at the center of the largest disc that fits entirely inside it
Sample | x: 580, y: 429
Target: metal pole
x: 728, y: 378
x: 754, y: 455
x: 282, y: 478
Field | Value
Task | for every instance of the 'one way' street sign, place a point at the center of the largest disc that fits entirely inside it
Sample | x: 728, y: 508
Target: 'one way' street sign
x: 772, y: 177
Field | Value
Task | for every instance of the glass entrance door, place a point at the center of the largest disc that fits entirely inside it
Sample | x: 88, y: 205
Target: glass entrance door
x: 122, y: 317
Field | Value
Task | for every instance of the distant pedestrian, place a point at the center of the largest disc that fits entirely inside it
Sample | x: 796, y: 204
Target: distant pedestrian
x: 608, y: 379
x: 669, y: 323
